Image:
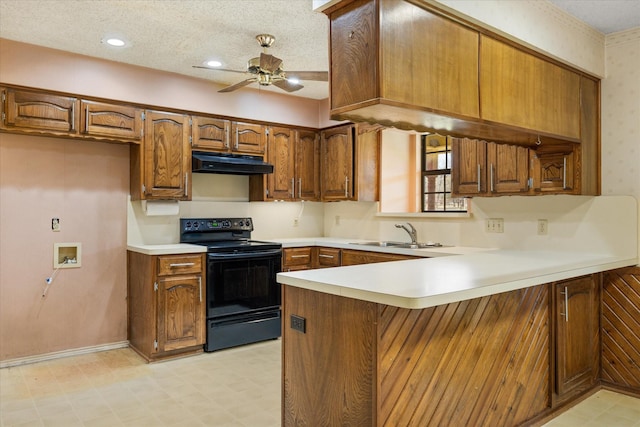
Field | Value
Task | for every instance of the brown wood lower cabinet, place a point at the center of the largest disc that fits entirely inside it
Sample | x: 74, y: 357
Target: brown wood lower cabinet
x: 309, y: 257
x: 481, y: 362
x: 166, y: 308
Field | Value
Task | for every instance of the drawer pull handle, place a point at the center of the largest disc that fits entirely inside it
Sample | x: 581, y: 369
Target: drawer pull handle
x: 299, y: 256
x: 183, y: 264
x: 326, y: 256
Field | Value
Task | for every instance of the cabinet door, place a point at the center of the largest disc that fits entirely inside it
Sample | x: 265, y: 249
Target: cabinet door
x: 249, y: 138
x: 337, y: 163
x: 167, y: 156
x: 210, y: 133
x: 180, y: 312
x: 297, y: 258
x: 508, y: 167
x: 520, y: 89
x: 577, y: 334
x: 307, y: 149
x: 427, y: 61
x: 329, y: 257
x: 39, y: 111
x: 111, y: 121
x: 280, y: 152
x: 468, y: 166
x: 553, y: 172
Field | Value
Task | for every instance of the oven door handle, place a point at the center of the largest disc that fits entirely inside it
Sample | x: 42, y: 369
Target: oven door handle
x: 243, y: 255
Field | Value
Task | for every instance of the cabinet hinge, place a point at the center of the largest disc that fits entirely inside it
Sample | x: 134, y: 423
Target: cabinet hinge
x: 155, y: 344
x: 155, y: 286
x: 266, y: 132
x: 530, y: 183
x: 4, y: 97
x: 143, y: 115
x: 191, y: 141
x: 266, y: 191
x: 144, y: 189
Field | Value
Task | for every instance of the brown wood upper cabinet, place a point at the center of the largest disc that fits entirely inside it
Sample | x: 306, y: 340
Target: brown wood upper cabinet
x: 577, y: 331
x: 41, y: 112
x: 414, y: 65
x: 161, y: 168
x: 523, y: 90
x: 120, y: 122
x: 385, y: 66
x: 350, y: 163
x: 295, y: 156
x: 215, y: 134
x: 486, y: 168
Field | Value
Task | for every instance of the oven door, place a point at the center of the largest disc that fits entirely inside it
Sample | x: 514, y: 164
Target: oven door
x: 242, y: 282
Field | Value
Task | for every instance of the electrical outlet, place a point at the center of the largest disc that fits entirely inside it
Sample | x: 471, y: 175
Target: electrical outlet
x: 298, y: 323
x: 495, y: 225
x: 295, y: 222
x: 543, y: 227
x: 55, y: 224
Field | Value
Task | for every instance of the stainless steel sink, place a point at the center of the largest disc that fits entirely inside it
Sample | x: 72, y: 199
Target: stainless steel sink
x: 380, y: 244
x: 401, y: 245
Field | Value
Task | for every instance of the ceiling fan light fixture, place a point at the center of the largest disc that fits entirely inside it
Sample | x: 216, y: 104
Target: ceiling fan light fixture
x: 293, y: 80
x: 213, y: 64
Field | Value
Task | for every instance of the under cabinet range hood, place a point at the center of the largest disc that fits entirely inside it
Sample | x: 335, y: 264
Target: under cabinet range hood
x: 231, y: 164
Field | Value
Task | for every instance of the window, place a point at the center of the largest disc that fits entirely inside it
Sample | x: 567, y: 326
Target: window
x: 436, y: 176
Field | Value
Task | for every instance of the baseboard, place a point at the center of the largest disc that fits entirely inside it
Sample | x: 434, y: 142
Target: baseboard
x: 61, y: 354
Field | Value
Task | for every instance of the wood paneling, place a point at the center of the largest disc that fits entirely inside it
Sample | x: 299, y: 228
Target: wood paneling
x: 482, y: 362
x: 620, y: 324
x: 479, y: 362
x: 328, y: 375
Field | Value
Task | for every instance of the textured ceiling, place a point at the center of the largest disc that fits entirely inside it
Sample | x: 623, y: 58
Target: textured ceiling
x: 606, y: 16
x: 173, y: 35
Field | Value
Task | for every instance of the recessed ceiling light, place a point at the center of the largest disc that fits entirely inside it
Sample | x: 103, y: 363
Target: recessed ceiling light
x: 114, y: 41
x: 213, y: 64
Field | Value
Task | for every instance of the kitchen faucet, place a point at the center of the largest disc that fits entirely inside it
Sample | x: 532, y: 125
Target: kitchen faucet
x: 411, y: 230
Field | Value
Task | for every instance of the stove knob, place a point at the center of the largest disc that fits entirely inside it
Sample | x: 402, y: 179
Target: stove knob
x: 241, y: 223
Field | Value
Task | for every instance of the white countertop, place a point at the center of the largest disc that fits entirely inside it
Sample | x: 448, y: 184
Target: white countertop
x: 429, y: 282
x: 178, y: 248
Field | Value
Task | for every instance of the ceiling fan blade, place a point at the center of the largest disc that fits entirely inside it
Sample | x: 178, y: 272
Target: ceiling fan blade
x: 237, y: 85
x: 218, y: 69
x: 287, y: 85
x: 269, y: 63
x: 318, y: 76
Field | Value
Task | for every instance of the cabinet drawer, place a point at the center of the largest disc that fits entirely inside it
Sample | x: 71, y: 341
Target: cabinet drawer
x: 179, y: 264
x: 328, y: 257
x: 297, y: 257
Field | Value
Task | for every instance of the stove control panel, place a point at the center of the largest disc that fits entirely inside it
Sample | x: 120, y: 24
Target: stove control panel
x: 204, y: 225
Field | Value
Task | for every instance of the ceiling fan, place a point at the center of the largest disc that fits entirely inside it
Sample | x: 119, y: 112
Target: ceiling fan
x: 267, y: 70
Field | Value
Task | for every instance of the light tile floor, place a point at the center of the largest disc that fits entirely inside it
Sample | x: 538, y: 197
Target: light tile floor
x: 237, y: 387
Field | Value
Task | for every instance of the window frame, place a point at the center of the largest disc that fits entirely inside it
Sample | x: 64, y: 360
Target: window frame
x: 424, y: 173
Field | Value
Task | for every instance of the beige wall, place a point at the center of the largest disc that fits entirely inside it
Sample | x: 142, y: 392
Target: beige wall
x: 85, y: 185
x: 621, y: 116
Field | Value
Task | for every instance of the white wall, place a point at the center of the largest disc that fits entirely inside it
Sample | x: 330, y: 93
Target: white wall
x: 621, y: 115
